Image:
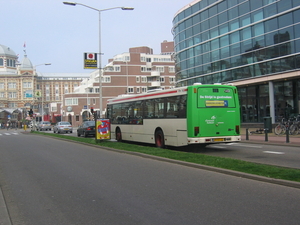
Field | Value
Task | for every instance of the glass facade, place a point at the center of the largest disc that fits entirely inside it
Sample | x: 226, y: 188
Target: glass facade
x: 221, y: 41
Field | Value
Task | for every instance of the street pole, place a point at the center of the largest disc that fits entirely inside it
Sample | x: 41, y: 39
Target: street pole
x: 33, y: 94
x: 100, y: 53
x: 99, y: 69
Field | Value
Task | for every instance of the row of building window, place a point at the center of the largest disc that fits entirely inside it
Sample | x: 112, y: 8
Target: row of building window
x: 158, y: 69
x: 229, y: 51
x: 255, y: 54
x: 239, y: 30
x: 171, y: 69
x: 13, y: 95
x: 209, y: 8
x: 144, y: 59
x: 204, y: 74
x: 143, y: 79
x: 155, y: 59
x: 9, y: 62
x: 13, y: 85
x: 9, y: 105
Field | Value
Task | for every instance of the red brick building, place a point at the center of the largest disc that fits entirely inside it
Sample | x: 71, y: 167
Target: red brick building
x: 136, y: 71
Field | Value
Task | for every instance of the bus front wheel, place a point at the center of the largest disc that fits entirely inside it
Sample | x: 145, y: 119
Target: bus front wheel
x: 118, y: 135
x: 159, y: 139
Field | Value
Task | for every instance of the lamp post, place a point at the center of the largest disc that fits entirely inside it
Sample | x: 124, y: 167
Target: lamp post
x: 33, y: 94
x: 100, y: 61
x: 42, y: 89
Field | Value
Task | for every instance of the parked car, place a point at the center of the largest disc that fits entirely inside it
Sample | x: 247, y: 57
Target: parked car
x: 43, y: 125
x: 86, y: 128
x: 63, y: 127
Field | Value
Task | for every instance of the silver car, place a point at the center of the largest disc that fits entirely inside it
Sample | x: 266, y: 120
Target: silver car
x: 44, y: 125
x: 63, y: 127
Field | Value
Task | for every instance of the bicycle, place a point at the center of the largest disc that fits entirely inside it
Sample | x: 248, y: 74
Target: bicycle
x: 257, y: 131
x: 294, y: 128
x: 281, y: 127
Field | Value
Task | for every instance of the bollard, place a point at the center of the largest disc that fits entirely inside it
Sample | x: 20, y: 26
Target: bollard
x: 287, y: 134
x: 266, y: 134
x: 247, y: 134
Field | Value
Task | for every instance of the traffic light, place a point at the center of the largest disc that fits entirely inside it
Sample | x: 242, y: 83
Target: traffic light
x: 30, y: 113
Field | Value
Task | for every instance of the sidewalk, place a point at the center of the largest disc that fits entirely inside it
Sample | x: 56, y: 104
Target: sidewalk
x: 291, y: 140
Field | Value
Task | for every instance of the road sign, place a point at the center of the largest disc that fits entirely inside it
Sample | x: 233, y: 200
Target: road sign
x: 90, y: 60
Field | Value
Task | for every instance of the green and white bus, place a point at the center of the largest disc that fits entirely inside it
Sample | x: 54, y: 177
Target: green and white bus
x: 197, y: 114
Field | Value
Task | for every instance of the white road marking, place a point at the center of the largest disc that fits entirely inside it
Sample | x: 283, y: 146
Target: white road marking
x: 249, y: 146
x: 270, y: 152
x: 219, y: 146
x: 13, y: 133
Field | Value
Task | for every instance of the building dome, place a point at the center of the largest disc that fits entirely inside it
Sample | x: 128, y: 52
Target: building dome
x: 26, y: 63
x: 7, y: 52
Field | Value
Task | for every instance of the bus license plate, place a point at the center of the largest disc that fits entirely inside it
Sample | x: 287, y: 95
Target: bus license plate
x: 218, y: 139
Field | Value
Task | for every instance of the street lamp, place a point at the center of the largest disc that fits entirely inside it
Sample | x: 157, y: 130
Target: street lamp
x: 43, y: 64
x: 100, y: 61
x: 42, y: 89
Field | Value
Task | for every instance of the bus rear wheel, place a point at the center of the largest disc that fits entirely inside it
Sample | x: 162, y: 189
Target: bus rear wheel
x: 159, y: 139
x: 118, y: 135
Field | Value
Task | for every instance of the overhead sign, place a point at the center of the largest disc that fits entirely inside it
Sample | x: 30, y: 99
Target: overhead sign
x: 90, y: 60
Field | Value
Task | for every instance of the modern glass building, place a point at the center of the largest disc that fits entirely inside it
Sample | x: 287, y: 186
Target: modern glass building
x: 254, y: 44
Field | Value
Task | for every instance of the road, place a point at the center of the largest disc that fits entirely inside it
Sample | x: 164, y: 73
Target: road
x: 284, y: 156
x: 49, y: 181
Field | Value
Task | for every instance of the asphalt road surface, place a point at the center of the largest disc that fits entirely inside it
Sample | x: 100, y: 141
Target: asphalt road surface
x: 50, y: 181
x: 285, y: 156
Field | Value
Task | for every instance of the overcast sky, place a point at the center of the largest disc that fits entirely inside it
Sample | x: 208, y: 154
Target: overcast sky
x: 59, y: 34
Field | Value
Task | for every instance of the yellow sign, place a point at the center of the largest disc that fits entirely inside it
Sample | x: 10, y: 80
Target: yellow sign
x: 90, y: 61
x: 102, y: 129
x: 214, y: 103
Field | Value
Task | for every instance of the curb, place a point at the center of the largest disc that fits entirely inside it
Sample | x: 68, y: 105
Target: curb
x: 4, y: 215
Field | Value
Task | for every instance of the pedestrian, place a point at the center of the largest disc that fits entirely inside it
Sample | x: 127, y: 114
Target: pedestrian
x: 7, y: 125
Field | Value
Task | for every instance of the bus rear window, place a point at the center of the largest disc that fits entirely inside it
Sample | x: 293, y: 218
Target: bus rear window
x: 215, y: 97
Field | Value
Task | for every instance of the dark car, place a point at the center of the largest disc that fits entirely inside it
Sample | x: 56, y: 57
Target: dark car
x: 87, y: 128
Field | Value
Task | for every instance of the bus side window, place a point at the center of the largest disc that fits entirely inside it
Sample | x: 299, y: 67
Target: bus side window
x: 172, y: 108
x: 149, y: 108
x: 159, y: 108
x: 182, y: 107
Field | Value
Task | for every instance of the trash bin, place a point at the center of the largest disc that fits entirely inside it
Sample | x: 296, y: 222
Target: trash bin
x: 268, y: 124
